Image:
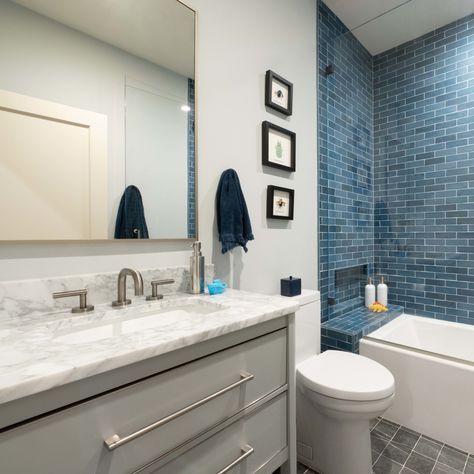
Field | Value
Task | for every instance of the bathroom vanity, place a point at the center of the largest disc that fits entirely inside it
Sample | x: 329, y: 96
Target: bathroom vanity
x: 187, y: 384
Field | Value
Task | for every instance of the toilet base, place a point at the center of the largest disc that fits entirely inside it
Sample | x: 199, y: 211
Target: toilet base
x: 350, y: 454
x: 333, y: 442
x: 341, y: 449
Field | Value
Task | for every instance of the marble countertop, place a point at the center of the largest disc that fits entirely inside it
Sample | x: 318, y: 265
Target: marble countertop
x: 43, y: 351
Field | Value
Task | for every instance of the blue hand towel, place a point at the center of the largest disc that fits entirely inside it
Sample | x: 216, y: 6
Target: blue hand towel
x: 233, y: 221
x: 131, y: 223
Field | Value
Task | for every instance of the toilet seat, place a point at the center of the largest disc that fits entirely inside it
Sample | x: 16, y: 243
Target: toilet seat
x: 346, y: 376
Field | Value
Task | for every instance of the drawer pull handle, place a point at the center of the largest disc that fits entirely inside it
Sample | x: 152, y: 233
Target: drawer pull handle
x: 246, y: 452
x: 116, y: 441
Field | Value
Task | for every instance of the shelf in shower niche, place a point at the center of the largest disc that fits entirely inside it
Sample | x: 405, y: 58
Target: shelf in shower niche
x: 345, y: 331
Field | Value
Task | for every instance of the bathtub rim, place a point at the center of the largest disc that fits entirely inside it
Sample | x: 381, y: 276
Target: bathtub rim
x: 423, y: 352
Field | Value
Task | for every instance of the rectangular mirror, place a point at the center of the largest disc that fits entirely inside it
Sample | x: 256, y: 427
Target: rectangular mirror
x: 97, y: 120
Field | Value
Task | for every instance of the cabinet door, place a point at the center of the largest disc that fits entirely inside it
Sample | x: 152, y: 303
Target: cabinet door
x: 72, y: 440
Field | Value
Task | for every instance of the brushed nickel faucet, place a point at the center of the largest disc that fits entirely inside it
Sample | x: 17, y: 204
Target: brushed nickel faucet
x: 83, y: 306
x: 154, y: 289
x: 122, y: 300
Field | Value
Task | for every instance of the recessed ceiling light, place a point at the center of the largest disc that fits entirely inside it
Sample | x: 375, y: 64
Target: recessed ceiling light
x: 186, y: 108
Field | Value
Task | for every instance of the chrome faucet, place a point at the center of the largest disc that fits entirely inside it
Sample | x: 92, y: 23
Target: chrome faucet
x: 122, y: 300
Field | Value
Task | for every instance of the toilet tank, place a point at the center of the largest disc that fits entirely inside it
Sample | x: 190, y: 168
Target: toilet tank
x: 307, y: 325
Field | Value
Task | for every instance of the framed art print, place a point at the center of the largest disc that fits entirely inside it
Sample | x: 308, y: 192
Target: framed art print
x: 278, y: 93
x: 280, y: 203
x: 278, y: 147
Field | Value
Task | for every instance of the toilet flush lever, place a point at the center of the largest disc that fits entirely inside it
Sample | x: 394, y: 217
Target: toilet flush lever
x: 154, y: 289
x: 83, y: 306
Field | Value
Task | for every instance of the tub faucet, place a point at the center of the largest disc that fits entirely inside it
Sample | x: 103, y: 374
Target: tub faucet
x: 122, y: 300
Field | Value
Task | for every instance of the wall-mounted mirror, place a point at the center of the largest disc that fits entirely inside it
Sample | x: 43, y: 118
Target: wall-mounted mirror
x: 97, y: 120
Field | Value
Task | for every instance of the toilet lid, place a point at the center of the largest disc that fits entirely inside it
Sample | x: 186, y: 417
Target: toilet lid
x: 346, y: 376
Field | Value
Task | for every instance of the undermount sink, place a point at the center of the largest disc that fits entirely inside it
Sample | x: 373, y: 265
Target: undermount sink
x: 151, y: 318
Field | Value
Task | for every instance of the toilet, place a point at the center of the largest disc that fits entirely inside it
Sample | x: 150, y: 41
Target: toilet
x: 337, y: 395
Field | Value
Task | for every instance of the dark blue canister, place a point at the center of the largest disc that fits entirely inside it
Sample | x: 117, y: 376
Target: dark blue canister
x: 290, y: 286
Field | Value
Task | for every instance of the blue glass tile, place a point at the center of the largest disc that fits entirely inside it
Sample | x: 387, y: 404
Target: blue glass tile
x: 396, y: 170
x: 347, y: 329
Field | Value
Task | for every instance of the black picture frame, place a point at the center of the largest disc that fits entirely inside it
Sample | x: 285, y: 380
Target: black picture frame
x: 267, y: 127
x: 270, y: 78
x: 270, y: 199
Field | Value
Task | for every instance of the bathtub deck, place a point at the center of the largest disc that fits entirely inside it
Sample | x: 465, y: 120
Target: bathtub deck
x: 344, y: 332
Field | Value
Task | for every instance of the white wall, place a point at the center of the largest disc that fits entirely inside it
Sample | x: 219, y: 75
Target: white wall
x: 237, y: 42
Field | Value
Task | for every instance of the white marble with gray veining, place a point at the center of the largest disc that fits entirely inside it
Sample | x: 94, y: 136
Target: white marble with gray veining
x: 29, y: 297
x: 42, y: 351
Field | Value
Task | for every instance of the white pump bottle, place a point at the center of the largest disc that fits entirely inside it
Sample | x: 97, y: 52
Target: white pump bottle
x: 369, y: 293
x: 382, y: 292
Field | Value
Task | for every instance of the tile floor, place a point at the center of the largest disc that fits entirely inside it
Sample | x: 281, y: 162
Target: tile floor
x: 399, y: 450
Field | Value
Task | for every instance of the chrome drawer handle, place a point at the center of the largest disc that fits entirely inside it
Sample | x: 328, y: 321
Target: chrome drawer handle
x: 246, y: 452
x: 116, y: 441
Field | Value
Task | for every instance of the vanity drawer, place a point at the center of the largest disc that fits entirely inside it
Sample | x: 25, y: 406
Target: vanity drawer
x: 72, y: 440
x: 256, y: 438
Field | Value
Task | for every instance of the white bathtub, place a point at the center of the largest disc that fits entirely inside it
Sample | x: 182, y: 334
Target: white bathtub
x: 433, y: 365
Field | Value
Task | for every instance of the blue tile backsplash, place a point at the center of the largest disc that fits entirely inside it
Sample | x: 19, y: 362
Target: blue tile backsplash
x: 396, y: 169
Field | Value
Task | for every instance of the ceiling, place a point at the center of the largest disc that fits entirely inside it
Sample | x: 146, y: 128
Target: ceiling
x: 383, y: 24
x: 160, y: 31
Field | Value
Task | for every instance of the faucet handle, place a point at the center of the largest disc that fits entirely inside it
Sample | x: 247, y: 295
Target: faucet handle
x: 83, y: 306
x: 154, y: 289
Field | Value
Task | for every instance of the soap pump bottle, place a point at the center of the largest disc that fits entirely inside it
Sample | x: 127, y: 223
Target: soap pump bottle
x: 369, y: 293
x: 196, y: 268
x: 382, y: 292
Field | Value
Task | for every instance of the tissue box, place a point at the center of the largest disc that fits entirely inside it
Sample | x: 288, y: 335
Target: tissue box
x: 290, y: 286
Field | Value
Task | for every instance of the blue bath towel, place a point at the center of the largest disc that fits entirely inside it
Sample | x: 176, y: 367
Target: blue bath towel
x: 233, y: 221
x: 131, y: 223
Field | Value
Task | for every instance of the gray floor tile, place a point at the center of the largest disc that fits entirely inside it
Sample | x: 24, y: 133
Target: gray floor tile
x: 412, y: 431
x: 405, y: 439
x: 386, y: 466
x: 452, y: 457
x: 428, y: 447
x: 385, y: 429
x: 373, y: 423
x: 420, y: 464
x: 378, y: 443
x: 375, y: 456
x: 300, y: 469
x: 399, y: 450
x: 469, y: 469
x: 395, y: 453
x: 443, y: 469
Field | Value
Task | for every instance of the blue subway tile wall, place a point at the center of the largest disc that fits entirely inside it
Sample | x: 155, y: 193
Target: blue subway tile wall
x: 424, y: 172
x: 345, y: 161
x: 191, y: 164
x: 396, y: 150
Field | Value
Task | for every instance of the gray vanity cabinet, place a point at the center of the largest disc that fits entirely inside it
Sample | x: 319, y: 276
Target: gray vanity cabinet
x: 200, y: 417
